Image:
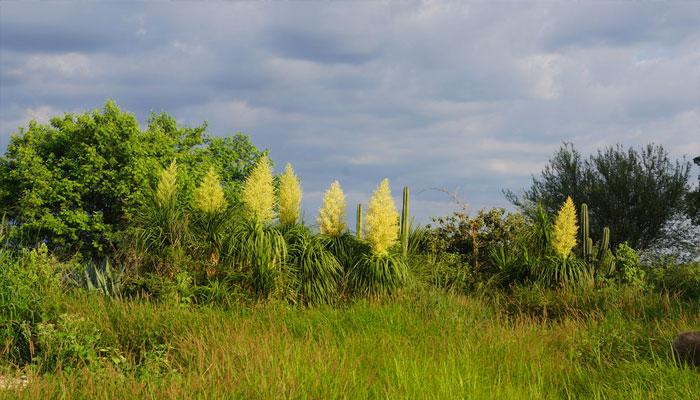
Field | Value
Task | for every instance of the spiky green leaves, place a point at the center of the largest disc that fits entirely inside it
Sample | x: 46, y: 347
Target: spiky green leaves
x: 382, y: 220
x: 167, y: 185
x: 209, y: 197
x: 258, y: 194
x: 565, y: 229
x: 289, y: 197
x: 331, y: 217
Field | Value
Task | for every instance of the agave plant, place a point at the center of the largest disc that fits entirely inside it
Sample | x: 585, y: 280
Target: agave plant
x: 100, y: 278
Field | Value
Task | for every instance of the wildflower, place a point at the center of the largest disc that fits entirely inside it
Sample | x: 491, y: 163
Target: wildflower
x: 289, y: 197
x: 167, y: 184
x: 565, y: 229
x: 258, y: 193
x: 382, y: 220
x: 331, y: 217
x: 209, y: 197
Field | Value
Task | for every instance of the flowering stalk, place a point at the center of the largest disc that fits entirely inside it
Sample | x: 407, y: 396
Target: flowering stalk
x: 289, y: 197
x: 382, y: 220
x: 565, y: 229
x: 209, y: 197
x: 331, y: 217
x: 167, y: 185
x: 258, y: 194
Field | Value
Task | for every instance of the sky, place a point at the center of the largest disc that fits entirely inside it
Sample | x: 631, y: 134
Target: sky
x: 470, y: 97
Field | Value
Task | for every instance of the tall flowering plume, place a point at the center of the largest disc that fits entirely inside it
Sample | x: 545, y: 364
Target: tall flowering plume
x: 289, y: 197
x: 382, y: 220
x: 209, y: 197
x: 565, y: 229
x: 258, y: 194
x: 331, y: 217
x: 167, y: 184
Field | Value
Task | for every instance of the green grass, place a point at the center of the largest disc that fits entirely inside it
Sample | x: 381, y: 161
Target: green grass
x: 422, y: 344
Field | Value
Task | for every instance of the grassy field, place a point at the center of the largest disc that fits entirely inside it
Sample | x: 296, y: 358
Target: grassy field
x: 530, y: 344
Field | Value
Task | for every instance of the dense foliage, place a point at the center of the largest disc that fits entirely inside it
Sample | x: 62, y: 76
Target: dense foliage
x: 634, y: 193
x: 198, y: 226
x: 74, y: 184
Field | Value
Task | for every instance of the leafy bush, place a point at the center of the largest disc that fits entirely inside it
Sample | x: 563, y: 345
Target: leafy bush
x: 70, y: 342
x: 628, y: 268
x: 105, y: 162
x: 683, y: 279
x: 28, y: 283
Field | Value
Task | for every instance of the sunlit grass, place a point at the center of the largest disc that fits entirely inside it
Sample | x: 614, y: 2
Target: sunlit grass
x: 421, y: 345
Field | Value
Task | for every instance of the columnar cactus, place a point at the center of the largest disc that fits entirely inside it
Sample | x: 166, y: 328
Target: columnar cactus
x: 404, y: 223
x: 586, y: 249
x: 358, y: 225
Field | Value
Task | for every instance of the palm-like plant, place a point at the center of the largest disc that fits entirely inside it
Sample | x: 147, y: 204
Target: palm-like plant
x: 161, y: 228
x: 317, y: 271
x: 211, y: 217
x: 380, y: 270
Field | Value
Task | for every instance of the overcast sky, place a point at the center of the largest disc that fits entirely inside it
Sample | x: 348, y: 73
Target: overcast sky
x: 472, y: 96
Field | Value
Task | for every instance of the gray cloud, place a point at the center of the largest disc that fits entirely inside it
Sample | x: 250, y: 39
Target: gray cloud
x: 474, y: 96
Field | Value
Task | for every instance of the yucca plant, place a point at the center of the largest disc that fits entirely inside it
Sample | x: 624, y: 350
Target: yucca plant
x: 259, y: 251
x: 210, y: 217
x: 289, y: 198
x: 381, y: 269
x: 317, y: 271
x: 258, y: 194
x: 332, y: 216
x: 161, y: 228
x: 563, y: 267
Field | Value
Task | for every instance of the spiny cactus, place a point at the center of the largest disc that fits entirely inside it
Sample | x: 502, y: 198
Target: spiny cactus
x: 586, y: 250
x: 405, y: 231
x: 358, y: 226
x: 604, y: 242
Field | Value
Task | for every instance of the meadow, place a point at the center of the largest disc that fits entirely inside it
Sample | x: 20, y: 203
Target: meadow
x: 531, y: 343
x: 189, y: 273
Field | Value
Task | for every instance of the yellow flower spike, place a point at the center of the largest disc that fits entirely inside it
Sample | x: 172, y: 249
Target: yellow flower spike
x: 382, y: 221
x: 565, y: 229
x: 289, y: 197
x: 209, y: 197
x: 167, y: 184
x: 331, y: 217
x: 258, y: 194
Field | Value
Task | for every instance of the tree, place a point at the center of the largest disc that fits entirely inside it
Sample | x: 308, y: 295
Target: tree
x: 635, y: 194
x: 694, y: 199
x: 75, y: 183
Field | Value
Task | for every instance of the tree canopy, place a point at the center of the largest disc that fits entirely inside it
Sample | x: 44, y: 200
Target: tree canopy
x: 74, y: 183
x: 634, y: 193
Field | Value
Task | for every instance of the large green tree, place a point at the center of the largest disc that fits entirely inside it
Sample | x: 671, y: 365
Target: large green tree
x: 74, y: 183
x: 694, y: 199
x: 634, y: 193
